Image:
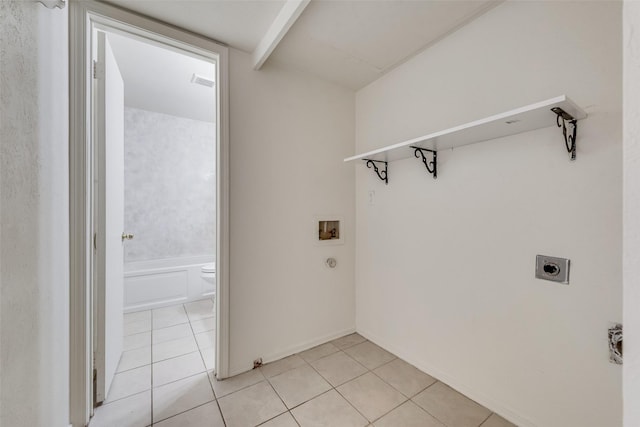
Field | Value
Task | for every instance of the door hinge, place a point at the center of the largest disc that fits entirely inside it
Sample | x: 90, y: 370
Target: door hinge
x: 98, y: 70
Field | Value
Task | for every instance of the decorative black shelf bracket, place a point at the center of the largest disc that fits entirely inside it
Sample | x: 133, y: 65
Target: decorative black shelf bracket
x: 433, y: 169
x: 562, y: 118
x: 382, y: 174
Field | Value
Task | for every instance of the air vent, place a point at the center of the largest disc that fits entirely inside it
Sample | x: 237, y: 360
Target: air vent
x: 201, y: 80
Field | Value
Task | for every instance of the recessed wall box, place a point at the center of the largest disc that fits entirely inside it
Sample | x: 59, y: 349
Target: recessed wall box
x: 328, y: 229
x: 552, y: 268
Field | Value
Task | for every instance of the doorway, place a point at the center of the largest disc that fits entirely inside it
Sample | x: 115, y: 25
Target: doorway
x: 149, y: 243
x: 154, y: 221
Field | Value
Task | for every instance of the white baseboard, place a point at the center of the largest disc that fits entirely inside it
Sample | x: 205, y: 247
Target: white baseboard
x: 298, y: 348
x: 493, y: 405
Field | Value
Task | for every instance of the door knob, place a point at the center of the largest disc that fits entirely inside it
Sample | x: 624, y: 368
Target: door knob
x: 126, y: 236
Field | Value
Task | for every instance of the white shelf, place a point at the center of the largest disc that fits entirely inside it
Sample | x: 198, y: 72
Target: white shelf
x: 523, y: 119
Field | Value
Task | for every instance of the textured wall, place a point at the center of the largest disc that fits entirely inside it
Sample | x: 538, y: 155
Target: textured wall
x: 34, y: 280
x: 170, y: 197
x: 631, y: 221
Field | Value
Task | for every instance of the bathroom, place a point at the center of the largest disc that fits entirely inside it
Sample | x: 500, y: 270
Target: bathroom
x: 169, y: 234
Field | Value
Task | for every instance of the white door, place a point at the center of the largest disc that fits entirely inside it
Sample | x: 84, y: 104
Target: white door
x: 109, y: 120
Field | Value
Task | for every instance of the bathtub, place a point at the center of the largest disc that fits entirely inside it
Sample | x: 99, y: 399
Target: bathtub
x: 158, y: 283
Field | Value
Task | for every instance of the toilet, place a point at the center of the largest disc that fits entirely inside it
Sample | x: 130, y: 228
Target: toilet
x: 208, y: 274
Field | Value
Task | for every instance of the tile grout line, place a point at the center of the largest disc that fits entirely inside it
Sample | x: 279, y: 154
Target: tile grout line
x: 295, y: 420
x: 441, y: 421
x: 168, y: 358
x: 152, y: 362
x: 185, y: 411
x: 331, y: 385
x: 198, y: 347
x: 336, y: 387
x: 245, y: 387
x: 307, y: 401
x: 191, y: 352
x: 486, y: 419
x: 105, y: 403
x: 279, y: 415
x: 365, y: 417
x: 411, y: 398
x: 220, y: 409
x: 407, y: 399
x: 122, y: 398
x: 308, y: 363
x: 420, y: 406
x: 377, y: 376
x: 276, y: 391
x: 215, y: 397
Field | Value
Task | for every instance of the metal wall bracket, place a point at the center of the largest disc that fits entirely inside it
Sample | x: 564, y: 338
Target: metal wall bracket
x: 562, y: 118
x: 615, y: 344
x: 433, y: 169
x: 382, y: 174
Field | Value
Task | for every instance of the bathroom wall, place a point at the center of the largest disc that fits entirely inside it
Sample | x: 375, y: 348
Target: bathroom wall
x: 289, y: 134
x: 170, y: 186
x: 445, y: 268
x: 631, y: 221
x: 34, y: 221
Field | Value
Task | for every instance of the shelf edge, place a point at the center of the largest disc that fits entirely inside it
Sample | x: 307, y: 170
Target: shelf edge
x: 580, y: 114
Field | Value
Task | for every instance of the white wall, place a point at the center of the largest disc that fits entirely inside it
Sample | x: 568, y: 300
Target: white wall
x: 34, y: 308
x: 289, y: 133
x: 631, y: 220
x: 444, y: 274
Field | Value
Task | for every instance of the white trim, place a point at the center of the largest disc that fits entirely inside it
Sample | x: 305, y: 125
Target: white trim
x: 84, y: 15
x: 288, y: 16
x: 512, y: 122
x: 79, y: 208
x: 167, y: 263
x: 223, y: 251
x: 294, y: 349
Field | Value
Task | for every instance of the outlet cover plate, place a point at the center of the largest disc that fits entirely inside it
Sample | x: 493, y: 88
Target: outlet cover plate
x: 552, y: 268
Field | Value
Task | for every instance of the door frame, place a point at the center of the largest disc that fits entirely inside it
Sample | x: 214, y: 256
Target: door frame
x: 84, y: 17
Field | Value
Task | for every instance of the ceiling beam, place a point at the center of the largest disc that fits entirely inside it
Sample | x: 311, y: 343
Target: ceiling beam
x: 288, y: 15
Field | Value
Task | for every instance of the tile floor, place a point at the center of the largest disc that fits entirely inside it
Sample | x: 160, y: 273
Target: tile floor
x: 346, y: 382
x: 163, y: 371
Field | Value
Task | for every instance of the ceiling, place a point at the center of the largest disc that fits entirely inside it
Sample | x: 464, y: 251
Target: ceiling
x: 348, y: 42
x: 237, y: 23
x: 355, y: 42
x: 158, y: 79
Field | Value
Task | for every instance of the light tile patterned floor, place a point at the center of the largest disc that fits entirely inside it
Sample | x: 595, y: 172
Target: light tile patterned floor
x: 347, y: 382
x: 162, y: 378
